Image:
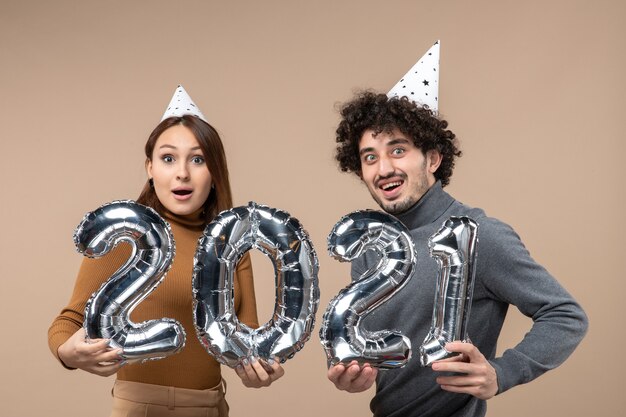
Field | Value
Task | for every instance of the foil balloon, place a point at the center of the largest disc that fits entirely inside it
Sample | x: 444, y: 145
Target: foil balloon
x: 454, y: 248
x: 342, y: 337
x: 108, y: 310
x: 281, y: 238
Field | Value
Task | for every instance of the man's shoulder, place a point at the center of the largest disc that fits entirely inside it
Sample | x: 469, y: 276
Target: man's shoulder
x: 477, y: 214
x: 487, y: 225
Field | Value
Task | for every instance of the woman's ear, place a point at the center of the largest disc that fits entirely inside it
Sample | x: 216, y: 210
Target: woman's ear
x: 149, y: 168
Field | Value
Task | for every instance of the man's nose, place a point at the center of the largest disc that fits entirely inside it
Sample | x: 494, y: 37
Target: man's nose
x: 385, y: 166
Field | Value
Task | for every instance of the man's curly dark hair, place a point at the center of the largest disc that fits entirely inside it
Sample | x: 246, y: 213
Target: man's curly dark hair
x: 370, y: 110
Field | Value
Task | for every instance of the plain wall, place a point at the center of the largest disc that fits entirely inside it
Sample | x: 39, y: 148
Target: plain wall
x: 534, y: 90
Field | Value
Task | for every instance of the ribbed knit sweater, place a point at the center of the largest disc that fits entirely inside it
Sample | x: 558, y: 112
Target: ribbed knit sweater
x: 505, y: 275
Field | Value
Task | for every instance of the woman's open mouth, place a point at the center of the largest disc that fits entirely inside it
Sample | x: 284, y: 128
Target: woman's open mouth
x: 182, y: 193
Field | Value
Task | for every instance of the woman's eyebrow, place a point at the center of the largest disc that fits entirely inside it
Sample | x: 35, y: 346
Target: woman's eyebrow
x: 167, y: 146
x: 195, y: 148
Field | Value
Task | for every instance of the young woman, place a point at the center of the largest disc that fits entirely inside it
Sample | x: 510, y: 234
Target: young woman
x: 188, y: 185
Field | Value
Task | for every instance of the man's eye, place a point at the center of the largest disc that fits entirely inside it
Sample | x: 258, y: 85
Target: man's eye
x: 369, y: 158
x: 398, y: 151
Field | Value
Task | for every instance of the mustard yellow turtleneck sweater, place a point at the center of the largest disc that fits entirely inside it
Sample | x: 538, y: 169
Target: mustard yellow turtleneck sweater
x: 193, y: 367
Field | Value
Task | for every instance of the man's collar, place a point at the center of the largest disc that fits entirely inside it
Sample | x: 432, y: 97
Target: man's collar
x: 428, y: 208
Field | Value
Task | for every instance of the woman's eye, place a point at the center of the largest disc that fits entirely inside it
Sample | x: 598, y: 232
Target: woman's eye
x: 197, y: 160
x: 168, y: 158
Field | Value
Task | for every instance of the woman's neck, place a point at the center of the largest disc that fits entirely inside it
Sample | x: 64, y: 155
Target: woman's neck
x: 193, y: 220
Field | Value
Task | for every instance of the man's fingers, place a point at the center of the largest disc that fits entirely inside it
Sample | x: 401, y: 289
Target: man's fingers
x: 354, y: 378
x: 468, y: 349
x: 334, y: 372
x: 456, y: 358
x: 461, y: 367
x: 460, y: 389
x: 365, y: 379
x: 478, y: 376
x: 346, y: 378
x: 460, y: 381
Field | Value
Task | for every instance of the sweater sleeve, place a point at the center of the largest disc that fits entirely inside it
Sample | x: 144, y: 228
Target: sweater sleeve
x: 91, y: 275
x: 245, y: 300
x: 508, y: 272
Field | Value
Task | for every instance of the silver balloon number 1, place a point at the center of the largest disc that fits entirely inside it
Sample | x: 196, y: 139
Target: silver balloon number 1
x: 226, y: 239
x: 107, y: 311
x: 454, y: 248
x: 341, y: 335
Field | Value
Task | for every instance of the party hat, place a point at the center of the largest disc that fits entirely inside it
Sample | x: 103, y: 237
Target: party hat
x: 421, y: 83
x: 181, y: 104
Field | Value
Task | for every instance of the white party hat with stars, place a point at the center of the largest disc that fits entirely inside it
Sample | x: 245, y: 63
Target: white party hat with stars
x: 421, y: 83
x: 181, y: 104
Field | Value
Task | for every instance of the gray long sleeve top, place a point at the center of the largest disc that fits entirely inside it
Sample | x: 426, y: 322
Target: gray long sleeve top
x: 505, y: 274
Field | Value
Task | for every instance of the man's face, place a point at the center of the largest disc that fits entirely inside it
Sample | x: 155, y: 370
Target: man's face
x: 396, y: 172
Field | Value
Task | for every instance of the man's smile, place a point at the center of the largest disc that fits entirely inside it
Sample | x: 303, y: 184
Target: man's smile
x: 391, y: 187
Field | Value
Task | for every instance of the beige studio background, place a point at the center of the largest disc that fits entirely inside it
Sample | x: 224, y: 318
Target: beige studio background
x: 533, y: 89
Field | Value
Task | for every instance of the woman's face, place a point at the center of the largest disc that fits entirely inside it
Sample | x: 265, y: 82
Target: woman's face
x: 182, y: 180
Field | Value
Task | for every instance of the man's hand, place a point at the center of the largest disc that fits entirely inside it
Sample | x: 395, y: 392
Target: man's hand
x: 352, y: 378
x: 255, y: 374
x: 479, y: 379
x: 95, y: 357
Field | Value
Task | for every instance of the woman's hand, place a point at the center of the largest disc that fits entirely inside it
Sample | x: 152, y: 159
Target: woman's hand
x: 95, y: 357
x: 255, y: 374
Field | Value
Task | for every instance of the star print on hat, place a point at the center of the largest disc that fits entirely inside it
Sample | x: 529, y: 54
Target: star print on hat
x: 181, y: 104
x: 421, y: 83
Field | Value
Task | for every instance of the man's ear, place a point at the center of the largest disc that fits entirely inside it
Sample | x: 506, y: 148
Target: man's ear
x: 433, y: 160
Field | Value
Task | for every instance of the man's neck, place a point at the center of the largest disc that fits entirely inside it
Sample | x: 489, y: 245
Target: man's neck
x: 428, y: 208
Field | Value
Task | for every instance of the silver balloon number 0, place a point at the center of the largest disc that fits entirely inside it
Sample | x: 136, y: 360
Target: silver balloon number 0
x: 107, y: 311
x: 341, y: 335
x: 226, y: 239
x: 454, y: 248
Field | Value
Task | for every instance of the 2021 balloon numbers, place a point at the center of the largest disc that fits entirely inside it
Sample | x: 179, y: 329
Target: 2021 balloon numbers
x: 282, y: 238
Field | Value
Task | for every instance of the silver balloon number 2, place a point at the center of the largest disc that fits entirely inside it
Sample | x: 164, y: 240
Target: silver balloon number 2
x: 226, y: 239
x: 454, y: 248
x: 341, y: 335
x: 107, y: 311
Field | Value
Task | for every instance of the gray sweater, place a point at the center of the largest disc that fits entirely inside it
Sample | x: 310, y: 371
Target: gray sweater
x: 505, y: 274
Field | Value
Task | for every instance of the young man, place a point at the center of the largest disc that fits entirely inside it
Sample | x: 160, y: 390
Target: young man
x: 405, y: 156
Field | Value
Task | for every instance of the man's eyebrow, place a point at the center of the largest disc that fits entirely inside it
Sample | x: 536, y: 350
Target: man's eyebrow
x: 397, y: 141
x: 366, y: 150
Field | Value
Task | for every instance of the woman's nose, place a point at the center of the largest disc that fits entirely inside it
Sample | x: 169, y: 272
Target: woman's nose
x: 183, y: 172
